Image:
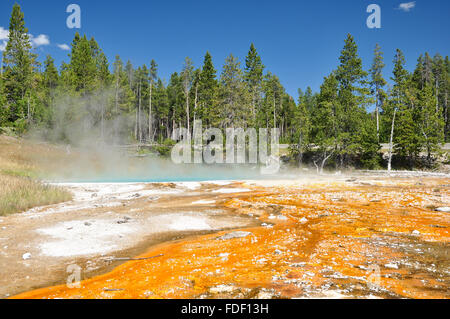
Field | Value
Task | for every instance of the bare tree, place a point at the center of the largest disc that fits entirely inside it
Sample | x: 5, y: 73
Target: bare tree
x: 153, y: 77
x: 187, y: 77
x: 391, y: 141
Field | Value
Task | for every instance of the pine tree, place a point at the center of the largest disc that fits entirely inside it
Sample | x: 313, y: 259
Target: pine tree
x: 407, y: 140
x: 153, y: 76
x: 324, y: 122
x: 352, y: 100
x: 428, y: 69
x: 195, y: 93
x: 302, y: 123
x: 124, y: 100
x: 253, y: 76
x: 19, y: 66
x: 103, y: 74
x: 332, y: 127
x: 51, y: 76
x: 130, y: 73
x: 3, y: 106
x: 418, y: 74
x: 267, y: 116
x: 187, y: 78
x: 162, y: 110
x: 207, y: 92
x: 142, y: 92
x: 82, y: 65
x: 177, y: 102
x: 49, y: 84
x: 431, y: 124
x: 441, y: 87
x: 377, y: 83
x: 233, y: 98
x: 446, y: 108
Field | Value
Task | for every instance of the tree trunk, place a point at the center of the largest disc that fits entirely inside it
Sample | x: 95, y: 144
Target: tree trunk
x: 102, y: 125
x: 378, y: 116
x: 195, y: 101
x: 437, y: 95
x: 136, y: 123
x: 446, y: 120
x: 117, y: 107
x: 325, y: 159
x: 139, y: 116
x: 29, y: 111
x: 391, y: 142
x: 150, y: 116
x: 274, y: 113
x: 300, y: 150
x: 1, y: 67
x: 136, y: 126
x: 187, y: 113
x: 173, y: 129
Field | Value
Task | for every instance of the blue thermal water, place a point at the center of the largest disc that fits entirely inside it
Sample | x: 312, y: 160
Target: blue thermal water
x: 170, y: 173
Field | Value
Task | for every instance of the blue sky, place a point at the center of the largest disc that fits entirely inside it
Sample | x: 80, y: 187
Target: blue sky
x: 298, y: 40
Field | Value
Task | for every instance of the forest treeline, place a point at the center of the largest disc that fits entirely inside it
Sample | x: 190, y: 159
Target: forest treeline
x: 332, y: 127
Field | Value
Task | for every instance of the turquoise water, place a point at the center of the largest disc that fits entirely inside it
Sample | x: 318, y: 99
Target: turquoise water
x: 171, y: 173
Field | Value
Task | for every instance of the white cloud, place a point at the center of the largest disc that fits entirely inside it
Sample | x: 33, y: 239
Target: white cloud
x: 64, y: 47
x: 3, y: 33
x: 38, y: 41
x: 42, y: 39
x: 407, y: 6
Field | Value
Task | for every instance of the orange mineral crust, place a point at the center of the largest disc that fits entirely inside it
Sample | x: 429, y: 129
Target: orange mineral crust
x: 338, y: 240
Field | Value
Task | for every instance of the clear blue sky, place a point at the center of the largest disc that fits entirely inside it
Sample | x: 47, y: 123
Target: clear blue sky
x: 298, y: 40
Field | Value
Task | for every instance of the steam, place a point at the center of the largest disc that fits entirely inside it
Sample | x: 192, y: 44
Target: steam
x: 87, y: 121
x: 98, y: 146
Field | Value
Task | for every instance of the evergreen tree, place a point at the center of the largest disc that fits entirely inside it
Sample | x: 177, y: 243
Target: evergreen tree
x: 186, y: 79
x: 51, y: 76
x: 272, y: 103
x: 302, y: 123
x: 254, y: 78
x: 377, y: 83
x: 103, y: 74
x: 124, y: 100
x: 162, y: 110
x: 142, y: 93
x: 19, y: 66
x: 441, y: 87
x: 49, y: 84
x: 207, y: 92
x: 431, y: 124
x: 233, y: 98
x: 324, y: 121
x: 332, y: 127
x: 353, y: 98
x: 130, y: 73
x: 176, y: 105
x: 83, y: 67
x: 153, y: 76
x: 408, y: 142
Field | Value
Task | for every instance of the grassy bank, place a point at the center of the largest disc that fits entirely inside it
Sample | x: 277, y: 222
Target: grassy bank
x: 18, y: 194
x: 20, y: 189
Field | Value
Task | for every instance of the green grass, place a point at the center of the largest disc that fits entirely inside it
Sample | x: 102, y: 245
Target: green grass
x: 18, y: 194
x: 19, y: 188
x: 18, y: 173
